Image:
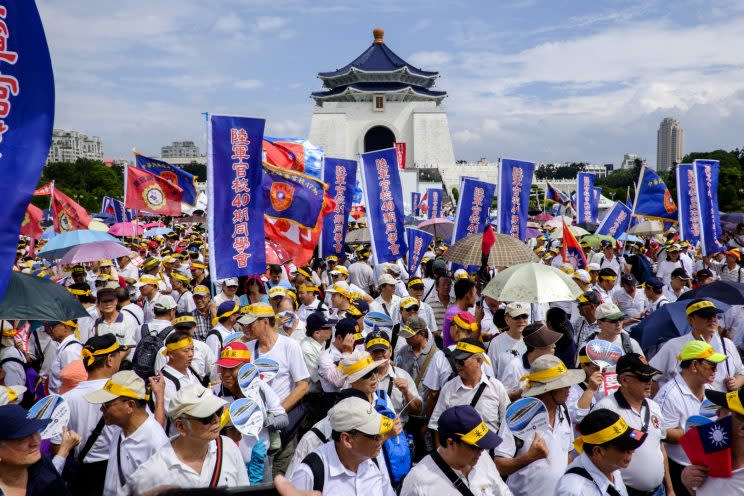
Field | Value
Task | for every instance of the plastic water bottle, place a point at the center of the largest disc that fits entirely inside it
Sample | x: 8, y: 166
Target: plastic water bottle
x: 411, y: 445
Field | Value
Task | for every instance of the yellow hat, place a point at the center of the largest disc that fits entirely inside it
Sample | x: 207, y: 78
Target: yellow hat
x: 700, y: 350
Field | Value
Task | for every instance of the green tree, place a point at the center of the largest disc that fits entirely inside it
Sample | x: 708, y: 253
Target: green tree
x: 199, y: 170
x: 85, y: 181
x: 455, y: 195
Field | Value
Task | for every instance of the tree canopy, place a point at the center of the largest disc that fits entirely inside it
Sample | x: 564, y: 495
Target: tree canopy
x: 85, y: 181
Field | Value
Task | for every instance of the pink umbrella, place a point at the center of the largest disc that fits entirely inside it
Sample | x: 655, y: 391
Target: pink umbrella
x: 544, y: 216
x: 440, y: 227
x: 275, y: 253
x: 533, y: 225
x: 91, y: 252
x: 154, y: 224
x: 126, y: 229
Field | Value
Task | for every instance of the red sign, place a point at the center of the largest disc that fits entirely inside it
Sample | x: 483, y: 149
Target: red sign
x: 400, y: 151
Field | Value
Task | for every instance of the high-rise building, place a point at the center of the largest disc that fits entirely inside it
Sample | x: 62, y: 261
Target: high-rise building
x: 629, y: 161
x: 670, y: 144
x: 180, y: 149
x: 68, y: 146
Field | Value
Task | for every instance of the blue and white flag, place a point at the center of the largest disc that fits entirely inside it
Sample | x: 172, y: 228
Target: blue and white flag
x: 418, y: 243
x: 706, y: 181
x: 515, y: 181
x: 116, y: 208
x: 595, y: 204
x: 434, y: 201
x: 415, y: 200
x: 584, y: 197
x: 340, y: 176
x: 471, y: 217
x: 26, y: 117
x: 171, y: 173
x: 383, y: 195
x: 688, y: 204
x: 616, y: 222
x: 236, y: 213
x: 653, y: 200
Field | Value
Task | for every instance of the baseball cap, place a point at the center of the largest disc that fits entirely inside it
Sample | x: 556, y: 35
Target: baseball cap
x: 145, y: 280
x: 409, y: 302
x: 733, y: 400
x: 358, y: 308
x: 339, y: 269
x: 465, y: 320
x: 465, y: 348
x: 460, y: 274
x: 342, y: 288
x: 316, y: 321
x: 234, y: 354
x: 256, y: 311
x: 702, y: 308
x: 386, y: 279
x: 122, y: 384
x: 184, y: 322
x: 165, y: 303
x: 539, y: 336
x: 681, y: 273
x: 704, y: 274
x: 394, y: 268
x: 593, y: 267
x: 97, y: 346
x: 608, y: 311
x: 201, y: 291
x: 15, y: 425
x: 412, y: 326
x: 463, y: 423
x: 106, y: 263
x: 356, y: 414
x: 377, y: 340
x: 628, y: 279
x: 700, y: 350
x: 589, y: 297
x: 230, y: 281
x: 277, y: 291
x: 605, y: 427
x: 195, y: 401
x: 653, y: 283
x: 636, y: 364
x: 415, y: 282
x: 582, y: 275
x: 346, y: 326
x: 516, y: 309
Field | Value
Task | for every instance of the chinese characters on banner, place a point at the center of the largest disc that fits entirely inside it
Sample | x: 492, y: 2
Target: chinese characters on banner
x: 418, y: 243
x: 689, y: 206
x: 340, y: 176
x: 706, y: 180
x: 400, y: 152
x: 434, y: 200
x: 515, y: 181
x: 616, y: 221
x: 472, y: 209
x: 236, y: 211
x: 384, y: 199
x: 595, y: 204
x: 415, y: 201
x: 584, y: 197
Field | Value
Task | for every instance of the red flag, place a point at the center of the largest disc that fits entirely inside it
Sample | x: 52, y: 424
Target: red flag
x: 45, y: 190
x: 571, y: 249
x: 31, y: 225
x: 151, y: 193
x: 400, y: 152
x: 710, y: 445
x: 279, y: 156
x: 68, y: 215
x: 489, y: 238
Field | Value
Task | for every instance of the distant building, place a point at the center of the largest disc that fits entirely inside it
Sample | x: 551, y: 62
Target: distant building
x: 609, y: 167
x: 68, y: 146
x: 180, y: 149
x: 629, y: 161
x: 670, y: 144
x: 599, y: 170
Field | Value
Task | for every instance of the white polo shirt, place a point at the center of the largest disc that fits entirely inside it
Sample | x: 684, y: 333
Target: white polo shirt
x: 426, y: 479
x: 677, y: 404
x: 716, y: 486
x: 164, y: 468
x: 491, y: 404
x: 368, y: 480
x: 399, y: 400
x: 292, y: 369
x: 131, y: 452
x: 501, y: 350
x: 391, y: 309
x: 215, y: 343
x: 331, y: 379
x: 15, y: 373
x: 124, y: 328
x: 539, y: 477
x: 68, y: 351
x: 439, y: 370
x: 646, y: 469
x: 576, y: 485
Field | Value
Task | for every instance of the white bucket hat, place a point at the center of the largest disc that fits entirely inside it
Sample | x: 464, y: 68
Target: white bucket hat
x: 549, y: 373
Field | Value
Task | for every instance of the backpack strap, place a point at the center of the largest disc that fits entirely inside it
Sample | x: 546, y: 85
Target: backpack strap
x: 215, y: 332
x: 204, y: 381
x: 164, y: 333
x: 74, y: 341
x: 626, y: 343
x: 171, y: 378
x: 320, y: 435
x: 91, y: 440
x: 478, y: 394
x: 144, y: 331
x: 456, y: 481
x: 580, y: 471
x: 448, y: 354
x: 132, y: 314
x: 12, y: 360
x: 423, y: 368
x: 315, y: 463
x: 217, y: 464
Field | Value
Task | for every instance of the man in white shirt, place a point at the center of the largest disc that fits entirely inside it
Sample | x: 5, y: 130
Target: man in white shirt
x: 148, y: 289
x: 610, y: 320
x: 606, y: 284
x: 228, y: 292
x: 68, y: 349
x: 606, y: 445
x: 416, y: 290
x: 509, y: 344
x: 459, y: 460
x: 679, y: 284
x: 360, y: 272
x: 331, y: 378
x: 227, y: 315
x: 628, y: 298
x: 732, y: 271
x: 388, y: 302
x: 113, y: 321
x: 653, y: 289
x: 182, y: 292
x: 607, y: 258
x: 127, y: 270
x: 309, y: 301
x: 586, y: 323
x: 347, y: 465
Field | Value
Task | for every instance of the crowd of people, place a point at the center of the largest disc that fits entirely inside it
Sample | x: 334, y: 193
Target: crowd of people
x: 383, y: 382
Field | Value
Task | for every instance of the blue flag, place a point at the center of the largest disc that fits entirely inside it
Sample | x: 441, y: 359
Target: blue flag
x: 26, y: 117
x: 415, y: 200
x: 653, y: 200
x: 237, y: 245
x: 383, y: 195
x: 292, y: 196
x: 116, y: 208
x: 171, y: 173
x: 595, y: 204
x: 706, y: 181
x: 418, y: 243
x: 340, y: 175
x: 434, y: 201
x: 689, y: 206
x: 554, y: 196
x: 584, y: 197
x: 515, y: 181
x: 471, y: 217
x: 616, y: 222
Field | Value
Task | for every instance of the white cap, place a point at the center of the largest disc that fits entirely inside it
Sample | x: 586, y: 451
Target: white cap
x: 356, y: 414
x: 357, y: 364
x: 515, y: 309
x: 461, y: 274
x: 341, y: 287
x: 277, y: 291
x: 593, y: 266
x: 582, y: 276
x: 386, y: 279
x: 393, y: 267
x: 339, y: 269
x: 608, y: 309
x: 11, y: 395
x: 230, y: 281
x: 125, y: 383
x: 194, y: 400
x: 165, y: 302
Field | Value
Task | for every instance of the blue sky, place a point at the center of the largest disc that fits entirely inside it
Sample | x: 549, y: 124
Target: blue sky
x: 541, y: 81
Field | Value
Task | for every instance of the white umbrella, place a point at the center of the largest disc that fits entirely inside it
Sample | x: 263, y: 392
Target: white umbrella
x: 558, y: 221
x: 647, y: 228
x: 534, y: 283
x: 576, y: 230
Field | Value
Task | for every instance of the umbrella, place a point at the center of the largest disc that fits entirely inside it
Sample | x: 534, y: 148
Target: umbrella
x: 536, y: 225
x: 358, y: 236
x: 533, y: 283
x: 439, y: 227
x: 595, y: 240
x: 729, y: 292
x: 126, y: 229
x: 647, y: 228
x: 150, y: 225
x: 275, y: 253
x: 91, y: 252
x: 48, y: 233
x: 576, y: 230
x: 664, y: 324
x: 61, y: 244
x: 733, y: 218
x: 157, y: 231
x: 543, y: 217
x: 625, y: 238
x: 506, y: 251
x: 33, y: 298
x: 97, y: 225
x: 532, y: 233
x: 558, y: 221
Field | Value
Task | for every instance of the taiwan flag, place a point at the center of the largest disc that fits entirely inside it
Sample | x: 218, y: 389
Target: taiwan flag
x: 571, y: 249
x: 151, y: 193
x: 710, y: 445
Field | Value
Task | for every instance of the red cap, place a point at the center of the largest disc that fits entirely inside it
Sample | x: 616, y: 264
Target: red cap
x: 233, y: 355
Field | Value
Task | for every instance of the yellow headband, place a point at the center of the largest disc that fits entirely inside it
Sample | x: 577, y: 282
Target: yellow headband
x: 545, y: 375
x: 356, y: 367
x: 341, y: 291
x: 89, y: 356
x: 698, y: 306
x: 414, y: 282
x: 734, y: 402
x: 475, y: 435
x: 358, y: 337
x: 470, y: 348
x: 79, y: 292
x: 605, y: 435
x: 309, y: 289
x: 181, y: 343
x: 10, y: 333
x: 198, y: 265
x: 608, y: 278
x: 461, y: 323
x: 186, y: 319
x: 304, y: 273
x: 70, y: 323
x: 179, y: 277
x: 226, y: 314
x: 585, y: 359
x: 119, y: 390
x: 236, y: 354
x: 375, y: 341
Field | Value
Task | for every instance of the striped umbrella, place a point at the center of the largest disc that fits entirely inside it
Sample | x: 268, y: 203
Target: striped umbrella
x: 506, y: 251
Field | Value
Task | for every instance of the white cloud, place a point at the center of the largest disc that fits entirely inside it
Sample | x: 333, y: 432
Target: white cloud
x: 465, y: 136
x: 270, y: 23
x: 430, y: 59
x: 248, y: 84
x: 228, y: 23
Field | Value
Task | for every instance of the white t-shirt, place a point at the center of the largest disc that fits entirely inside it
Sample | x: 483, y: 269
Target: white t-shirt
x: 677, y: 404
x: 715, y: 486
x: 501, y: 350
x: 292, y: 369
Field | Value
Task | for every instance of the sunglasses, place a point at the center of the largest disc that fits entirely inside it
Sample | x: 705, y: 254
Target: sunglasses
x: 520, y: 317
x: 371, y: 437
x: 414, y: 308
x: 713, y: 366
x: 369, y: 375
x: 208, y: 420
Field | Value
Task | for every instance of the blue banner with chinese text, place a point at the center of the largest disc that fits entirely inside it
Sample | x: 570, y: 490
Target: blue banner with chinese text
x: 472, y: 209
x: 515, y: 181
x: 706, y: 182
x: 434, y: 201
x: 584, y: 197
x: 688, y: 205
x: 418, y: 243
x: 616, y: 222
x: 415, y: 200
x: 169, y: 172
x: 340, y: 176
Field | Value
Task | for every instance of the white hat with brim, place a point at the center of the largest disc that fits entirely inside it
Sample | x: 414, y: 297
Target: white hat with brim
x: 356, y: 414
x: 122, y: 384
x: 358, y: 364
x: 549, y: 373
x: 11, y: 394
x: 194, y: 400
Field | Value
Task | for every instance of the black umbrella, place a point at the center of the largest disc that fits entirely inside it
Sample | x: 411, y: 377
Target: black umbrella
x: 33, y: 298
x: 728, y: 292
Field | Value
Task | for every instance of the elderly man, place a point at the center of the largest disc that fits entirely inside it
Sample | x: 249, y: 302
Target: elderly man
x: 388, y: 302
x: 610, y: 320
x: 68, y: 350
x: 198, y: 456
x: 121, y: 324
x: 348, y: 464
x: 416, y: 290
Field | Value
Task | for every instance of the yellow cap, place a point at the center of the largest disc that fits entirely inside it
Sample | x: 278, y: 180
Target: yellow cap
x: 700, y: 350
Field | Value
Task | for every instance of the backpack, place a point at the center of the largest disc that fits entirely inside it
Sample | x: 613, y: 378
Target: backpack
x: 396, y: 450
x: 315, y: 463
x: 34, y: 383
x: 143, y: 362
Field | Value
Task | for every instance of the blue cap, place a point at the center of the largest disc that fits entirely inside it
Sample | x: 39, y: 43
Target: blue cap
x: 226, y: 307
x: 317, y: 320
x: 15, y: 425
x: 346, y: 326
x: 463, y: 423
x: 653, y: 283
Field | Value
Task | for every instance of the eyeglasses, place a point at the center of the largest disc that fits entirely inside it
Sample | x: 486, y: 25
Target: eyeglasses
x: 713, y: 366
x: 208, y: 420
x: 520, y: 317
x: 371, y: 437
x: 369, y: 375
